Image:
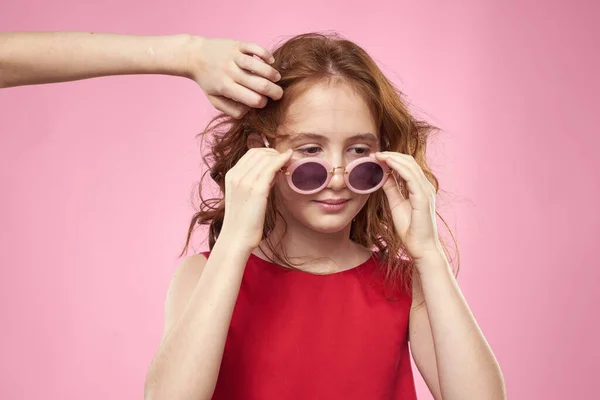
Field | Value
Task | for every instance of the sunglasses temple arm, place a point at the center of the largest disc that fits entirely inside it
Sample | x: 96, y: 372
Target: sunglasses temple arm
x: 266, y: 142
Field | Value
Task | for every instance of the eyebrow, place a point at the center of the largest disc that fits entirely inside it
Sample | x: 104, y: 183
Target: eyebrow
x: 366, y: 136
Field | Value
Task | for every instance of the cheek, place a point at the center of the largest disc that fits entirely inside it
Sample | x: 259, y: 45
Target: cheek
x: 282, y: 187
x: 361, y: 199
x: 285, y: 192
x: 289, y: 199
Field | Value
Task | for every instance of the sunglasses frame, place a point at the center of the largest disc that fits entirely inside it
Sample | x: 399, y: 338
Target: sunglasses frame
x: 288, y: 171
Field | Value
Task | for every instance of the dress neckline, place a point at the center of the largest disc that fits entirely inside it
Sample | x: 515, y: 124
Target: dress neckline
x: 364, y: 264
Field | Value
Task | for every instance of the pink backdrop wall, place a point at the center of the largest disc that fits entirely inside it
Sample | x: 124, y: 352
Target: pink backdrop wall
x: 96, y: 175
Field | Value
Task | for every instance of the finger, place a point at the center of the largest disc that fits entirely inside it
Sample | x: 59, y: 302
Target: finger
x: 259, y: 85
x: 393, y: 191
x: 255, y: 49
x: 257, y: 67
x: 263, y: 167
x: 410, y: 163
x: 253, y: 157
x: 427, y: 185
x: 271, y: 170
x: 245, y: 165
x: 242, y: 94
x: 417, y: 195
x: 268, y: 163
x: 228, y: 106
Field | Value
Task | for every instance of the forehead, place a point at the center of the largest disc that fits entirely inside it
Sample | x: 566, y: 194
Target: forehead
x: 332, y: 109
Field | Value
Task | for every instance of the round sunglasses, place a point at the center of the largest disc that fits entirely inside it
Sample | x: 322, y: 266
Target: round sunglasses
x: 310, y: 175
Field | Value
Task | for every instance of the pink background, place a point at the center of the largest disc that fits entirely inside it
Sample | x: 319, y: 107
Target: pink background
x: 96, y: 179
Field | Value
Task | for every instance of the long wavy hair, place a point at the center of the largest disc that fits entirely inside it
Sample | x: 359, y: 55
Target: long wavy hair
x: 304, y: 61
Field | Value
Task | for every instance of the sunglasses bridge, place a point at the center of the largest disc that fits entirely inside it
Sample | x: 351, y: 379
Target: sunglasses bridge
x: 334, y: 168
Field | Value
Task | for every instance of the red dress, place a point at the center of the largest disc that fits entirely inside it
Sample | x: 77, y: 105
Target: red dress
x: 295, y: 335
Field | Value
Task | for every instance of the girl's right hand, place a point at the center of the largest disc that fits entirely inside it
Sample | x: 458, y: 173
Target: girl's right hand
x: 247, y: 187
x: 232, y: 78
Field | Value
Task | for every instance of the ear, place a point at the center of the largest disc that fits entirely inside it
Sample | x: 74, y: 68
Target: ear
x: 255, y: 140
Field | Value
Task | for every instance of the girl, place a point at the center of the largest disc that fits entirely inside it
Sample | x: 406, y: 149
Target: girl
x: 325, y: 266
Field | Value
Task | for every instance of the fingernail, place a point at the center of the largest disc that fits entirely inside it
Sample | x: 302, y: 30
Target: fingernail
x: 277, y: 77
x: 271, y: 60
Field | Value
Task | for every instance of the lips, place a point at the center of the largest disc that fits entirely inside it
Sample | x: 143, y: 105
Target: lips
x: 332, y: 201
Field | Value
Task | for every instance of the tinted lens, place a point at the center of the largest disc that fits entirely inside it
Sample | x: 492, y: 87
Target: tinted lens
x: 309, y: 176
x: 366, y: 176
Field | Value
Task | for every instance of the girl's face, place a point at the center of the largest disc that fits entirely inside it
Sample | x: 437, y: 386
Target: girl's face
x: 332, y: 122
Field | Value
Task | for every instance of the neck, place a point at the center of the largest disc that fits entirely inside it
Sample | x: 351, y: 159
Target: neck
x: 319, y: 252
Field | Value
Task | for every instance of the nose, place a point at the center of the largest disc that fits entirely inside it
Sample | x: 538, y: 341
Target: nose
x: 337, y: 180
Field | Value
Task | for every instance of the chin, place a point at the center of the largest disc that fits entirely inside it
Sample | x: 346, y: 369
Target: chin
x: 325, y: 222
x: 326, y: 225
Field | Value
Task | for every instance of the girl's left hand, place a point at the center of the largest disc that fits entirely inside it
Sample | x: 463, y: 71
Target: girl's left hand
x: 414, y: 218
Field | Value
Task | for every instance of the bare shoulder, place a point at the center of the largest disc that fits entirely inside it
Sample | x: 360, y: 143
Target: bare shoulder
x: 182, y: 285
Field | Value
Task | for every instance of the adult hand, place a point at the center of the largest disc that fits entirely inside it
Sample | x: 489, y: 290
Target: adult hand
x: 235, y: 75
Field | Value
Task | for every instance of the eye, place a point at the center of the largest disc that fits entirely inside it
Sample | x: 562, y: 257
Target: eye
x: 310, y: 151
x: 361, y: 151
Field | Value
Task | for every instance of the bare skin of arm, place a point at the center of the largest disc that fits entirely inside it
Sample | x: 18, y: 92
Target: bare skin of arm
x: 447, y: 345
x: 226, y: 70
x: 198, y: 311
x: 30, y: 58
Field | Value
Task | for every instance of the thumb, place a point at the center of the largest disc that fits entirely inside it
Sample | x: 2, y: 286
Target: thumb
x: 282, y: 159
x: 392, y: 192
x: 228, y: 106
